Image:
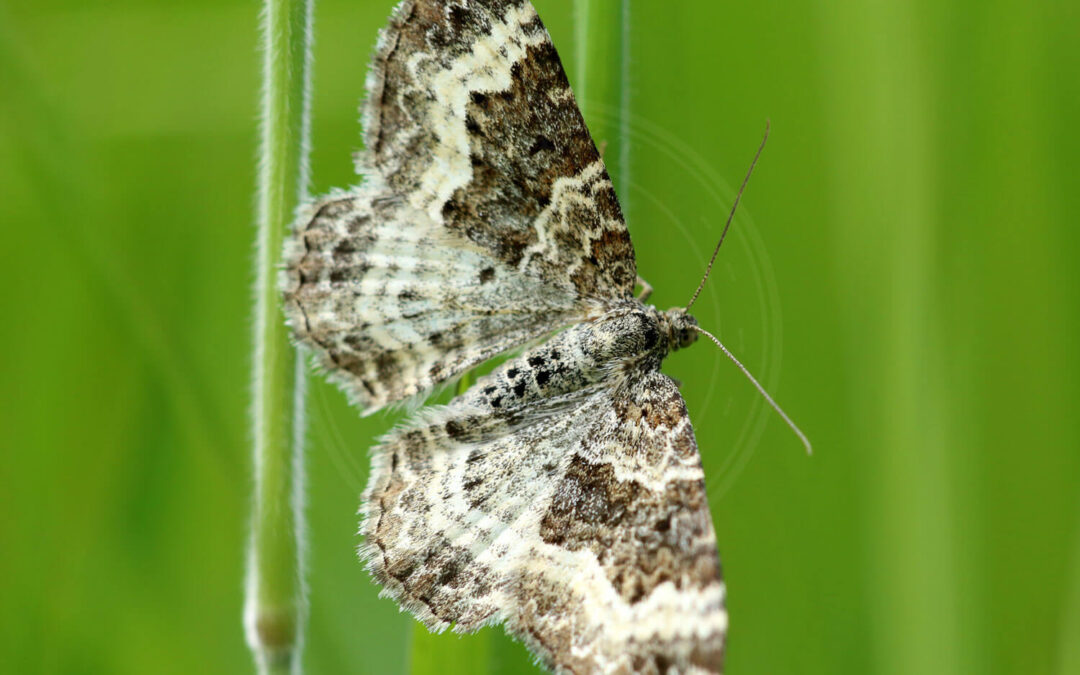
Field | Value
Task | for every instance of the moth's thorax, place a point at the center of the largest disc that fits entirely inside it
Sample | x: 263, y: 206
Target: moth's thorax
x: 639, y: 332
x: 632, y: 338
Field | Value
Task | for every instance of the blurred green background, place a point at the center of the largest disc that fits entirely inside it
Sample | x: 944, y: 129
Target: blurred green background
x: 903, y: 276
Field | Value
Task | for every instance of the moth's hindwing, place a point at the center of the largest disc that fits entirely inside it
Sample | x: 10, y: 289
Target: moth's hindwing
x: 575, y: 513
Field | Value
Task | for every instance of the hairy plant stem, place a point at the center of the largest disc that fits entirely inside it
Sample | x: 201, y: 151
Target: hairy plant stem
x: 275, y: 606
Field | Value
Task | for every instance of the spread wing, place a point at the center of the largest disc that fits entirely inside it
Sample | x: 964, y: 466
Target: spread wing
x: 486, y: 217
x: 470, y: 116
x: 580, y: 521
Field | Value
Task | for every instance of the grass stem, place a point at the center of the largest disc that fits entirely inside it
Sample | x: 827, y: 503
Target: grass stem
x: 602, y: 49
x: 275, y: 607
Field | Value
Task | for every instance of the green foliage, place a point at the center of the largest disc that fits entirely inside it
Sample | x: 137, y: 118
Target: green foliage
x: 901, y: 275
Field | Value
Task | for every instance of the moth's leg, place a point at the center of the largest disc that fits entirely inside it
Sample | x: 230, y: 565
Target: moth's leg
x: 646, y: 290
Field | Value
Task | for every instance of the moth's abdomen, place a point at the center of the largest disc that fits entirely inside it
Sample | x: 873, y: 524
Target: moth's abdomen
x: 581, y: 356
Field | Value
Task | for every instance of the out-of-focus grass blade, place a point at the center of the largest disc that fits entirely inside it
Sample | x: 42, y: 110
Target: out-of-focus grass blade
x: 449, y: 653
x: 1070, y: 626
x: 600, y: 79
x: 48, y: 158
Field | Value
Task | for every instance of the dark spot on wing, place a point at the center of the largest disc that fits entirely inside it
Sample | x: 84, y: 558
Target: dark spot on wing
x: 344, y: 248
x: 451, y: 209
x: 386, y: 366
x: 357, y: 223
x: 455, y: 429
x: 542, y: 143
x: 470, y: 484
x: 359, y: 343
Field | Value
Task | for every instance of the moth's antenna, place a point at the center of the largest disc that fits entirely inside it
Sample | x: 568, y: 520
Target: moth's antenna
x: 778, y: 409
x: 731, y: 215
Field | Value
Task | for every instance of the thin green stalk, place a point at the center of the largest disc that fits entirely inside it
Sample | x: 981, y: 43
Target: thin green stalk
x: 602, y: 81
x: 275, y: 607
x: 625, y: 92
x: 582, y: 15
x: 1069, y: 650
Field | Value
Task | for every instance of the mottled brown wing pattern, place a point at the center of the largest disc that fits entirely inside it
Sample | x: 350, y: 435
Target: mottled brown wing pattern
x: 573, y: 511
x: 562, y: 495
x: 470, y: 114
x: 393, y: 305
x: 486, y: 218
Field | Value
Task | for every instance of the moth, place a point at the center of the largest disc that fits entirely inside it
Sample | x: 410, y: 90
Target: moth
x: 561, y: 495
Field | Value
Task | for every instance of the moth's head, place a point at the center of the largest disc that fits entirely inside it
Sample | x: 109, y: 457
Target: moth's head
x: 680, y: 328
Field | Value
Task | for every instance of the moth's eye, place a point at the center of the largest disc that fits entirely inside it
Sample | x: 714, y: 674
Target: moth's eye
x: 687, y: 337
